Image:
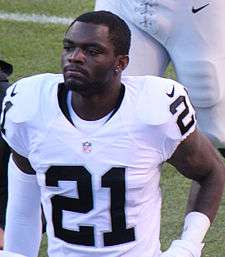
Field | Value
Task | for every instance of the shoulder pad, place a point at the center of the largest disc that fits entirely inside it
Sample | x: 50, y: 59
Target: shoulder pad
x: 155, y: 99
x: 165, y: 103
x: 26, y: 95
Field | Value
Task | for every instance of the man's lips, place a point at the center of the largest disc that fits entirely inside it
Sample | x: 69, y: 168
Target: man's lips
x: 70, y: 71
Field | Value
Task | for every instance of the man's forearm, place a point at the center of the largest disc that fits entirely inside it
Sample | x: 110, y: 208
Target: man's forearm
x: 23, y: 220
x: 195, y: 187
x: 206, y: 194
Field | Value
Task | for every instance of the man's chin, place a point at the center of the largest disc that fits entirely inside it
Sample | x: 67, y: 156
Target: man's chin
x: 83, y: 88
x: 75, y: 85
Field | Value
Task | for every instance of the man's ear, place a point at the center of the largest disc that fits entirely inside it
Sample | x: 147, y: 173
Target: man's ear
x: 121, y: 62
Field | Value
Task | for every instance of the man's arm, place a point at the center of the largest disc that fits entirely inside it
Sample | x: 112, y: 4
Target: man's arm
x: 192, y: 196
x: 197, y: 159
x: 23, y: 218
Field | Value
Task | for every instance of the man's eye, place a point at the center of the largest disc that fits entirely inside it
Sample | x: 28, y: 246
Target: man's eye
x: 68, y: 47
x: 93, y: 51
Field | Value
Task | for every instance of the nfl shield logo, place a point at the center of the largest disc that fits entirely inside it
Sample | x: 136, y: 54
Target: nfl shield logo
x: 87, y: 147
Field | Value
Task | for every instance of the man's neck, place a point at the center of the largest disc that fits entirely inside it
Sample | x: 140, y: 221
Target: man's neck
x: 98, y: 105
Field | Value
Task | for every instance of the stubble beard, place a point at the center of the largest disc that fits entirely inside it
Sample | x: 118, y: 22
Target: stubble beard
x: 87, y: 88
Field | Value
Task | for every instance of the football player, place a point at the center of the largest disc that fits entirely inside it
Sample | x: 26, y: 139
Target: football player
x: 5, y: 71
x: 191, y: 35
x: 89, y: 144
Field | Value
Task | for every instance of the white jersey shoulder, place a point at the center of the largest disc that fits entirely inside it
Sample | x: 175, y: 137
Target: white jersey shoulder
x: 27, y: 94
x: 162, y: 101
x: 25, y: 103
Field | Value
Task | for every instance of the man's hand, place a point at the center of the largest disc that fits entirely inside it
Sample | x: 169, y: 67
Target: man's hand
x: 183, y: 248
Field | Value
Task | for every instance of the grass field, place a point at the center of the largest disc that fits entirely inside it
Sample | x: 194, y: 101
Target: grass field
x: 35, y: 48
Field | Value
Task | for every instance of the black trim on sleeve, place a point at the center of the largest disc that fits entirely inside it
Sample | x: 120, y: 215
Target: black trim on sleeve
x: 119, y: 101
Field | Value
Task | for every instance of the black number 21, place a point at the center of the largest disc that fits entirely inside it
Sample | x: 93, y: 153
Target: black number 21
x: 113, y: 179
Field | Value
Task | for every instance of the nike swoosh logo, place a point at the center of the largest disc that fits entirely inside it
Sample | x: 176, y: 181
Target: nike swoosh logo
x: 195, y: 10
x: 172, y: 93
x: 13, y: 93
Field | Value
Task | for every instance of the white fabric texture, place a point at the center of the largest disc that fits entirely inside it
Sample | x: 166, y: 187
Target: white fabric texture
x: 196, y: 225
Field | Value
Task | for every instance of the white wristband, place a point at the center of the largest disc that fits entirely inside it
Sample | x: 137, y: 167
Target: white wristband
x: 196, y: 225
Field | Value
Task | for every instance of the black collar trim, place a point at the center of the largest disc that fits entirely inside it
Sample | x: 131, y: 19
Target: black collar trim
x: 62, y: 100
x: 119, y: 101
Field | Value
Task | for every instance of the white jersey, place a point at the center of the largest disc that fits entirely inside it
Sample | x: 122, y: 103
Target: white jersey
x: 100, y: 190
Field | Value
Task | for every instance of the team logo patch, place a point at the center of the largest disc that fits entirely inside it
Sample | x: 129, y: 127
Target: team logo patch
x: 87, y: 147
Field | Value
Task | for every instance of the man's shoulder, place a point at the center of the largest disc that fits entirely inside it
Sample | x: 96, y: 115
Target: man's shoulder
x: 40, y: 81
x: 155, y: 98
x: 33, y: 84
x: 28, y: 95
x: 154, y: 84
x: 44, y: 77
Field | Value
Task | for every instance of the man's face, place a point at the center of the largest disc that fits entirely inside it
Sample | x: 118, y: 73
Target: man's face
x: 88, y: 58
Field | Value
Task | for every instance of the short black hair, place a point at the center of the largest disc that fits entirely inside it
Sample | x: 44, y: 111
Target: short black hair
x: 119, y: 31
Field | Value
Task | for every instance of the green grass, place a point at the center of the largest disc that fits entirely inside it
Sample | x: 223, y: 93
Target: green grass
x: 32, y: 49
x: 65, y: 8
x: 35, y: 48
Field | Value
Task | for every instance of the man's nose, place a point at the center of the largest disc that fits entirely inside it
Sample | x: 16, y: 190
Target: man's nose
x: 77, y: 55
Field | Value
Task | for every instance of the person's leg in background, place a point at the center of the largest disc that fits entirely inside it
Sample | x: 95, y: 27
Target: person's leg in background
x: 147, y: 55
x: 197, y: 50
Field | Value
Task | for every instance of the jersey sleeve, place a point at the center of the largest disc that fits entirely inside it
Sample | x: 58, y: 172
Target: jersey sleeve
x: 24, y: 110
x: 12, y: 129
x: 182, y: 121
x: 170, y: 109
